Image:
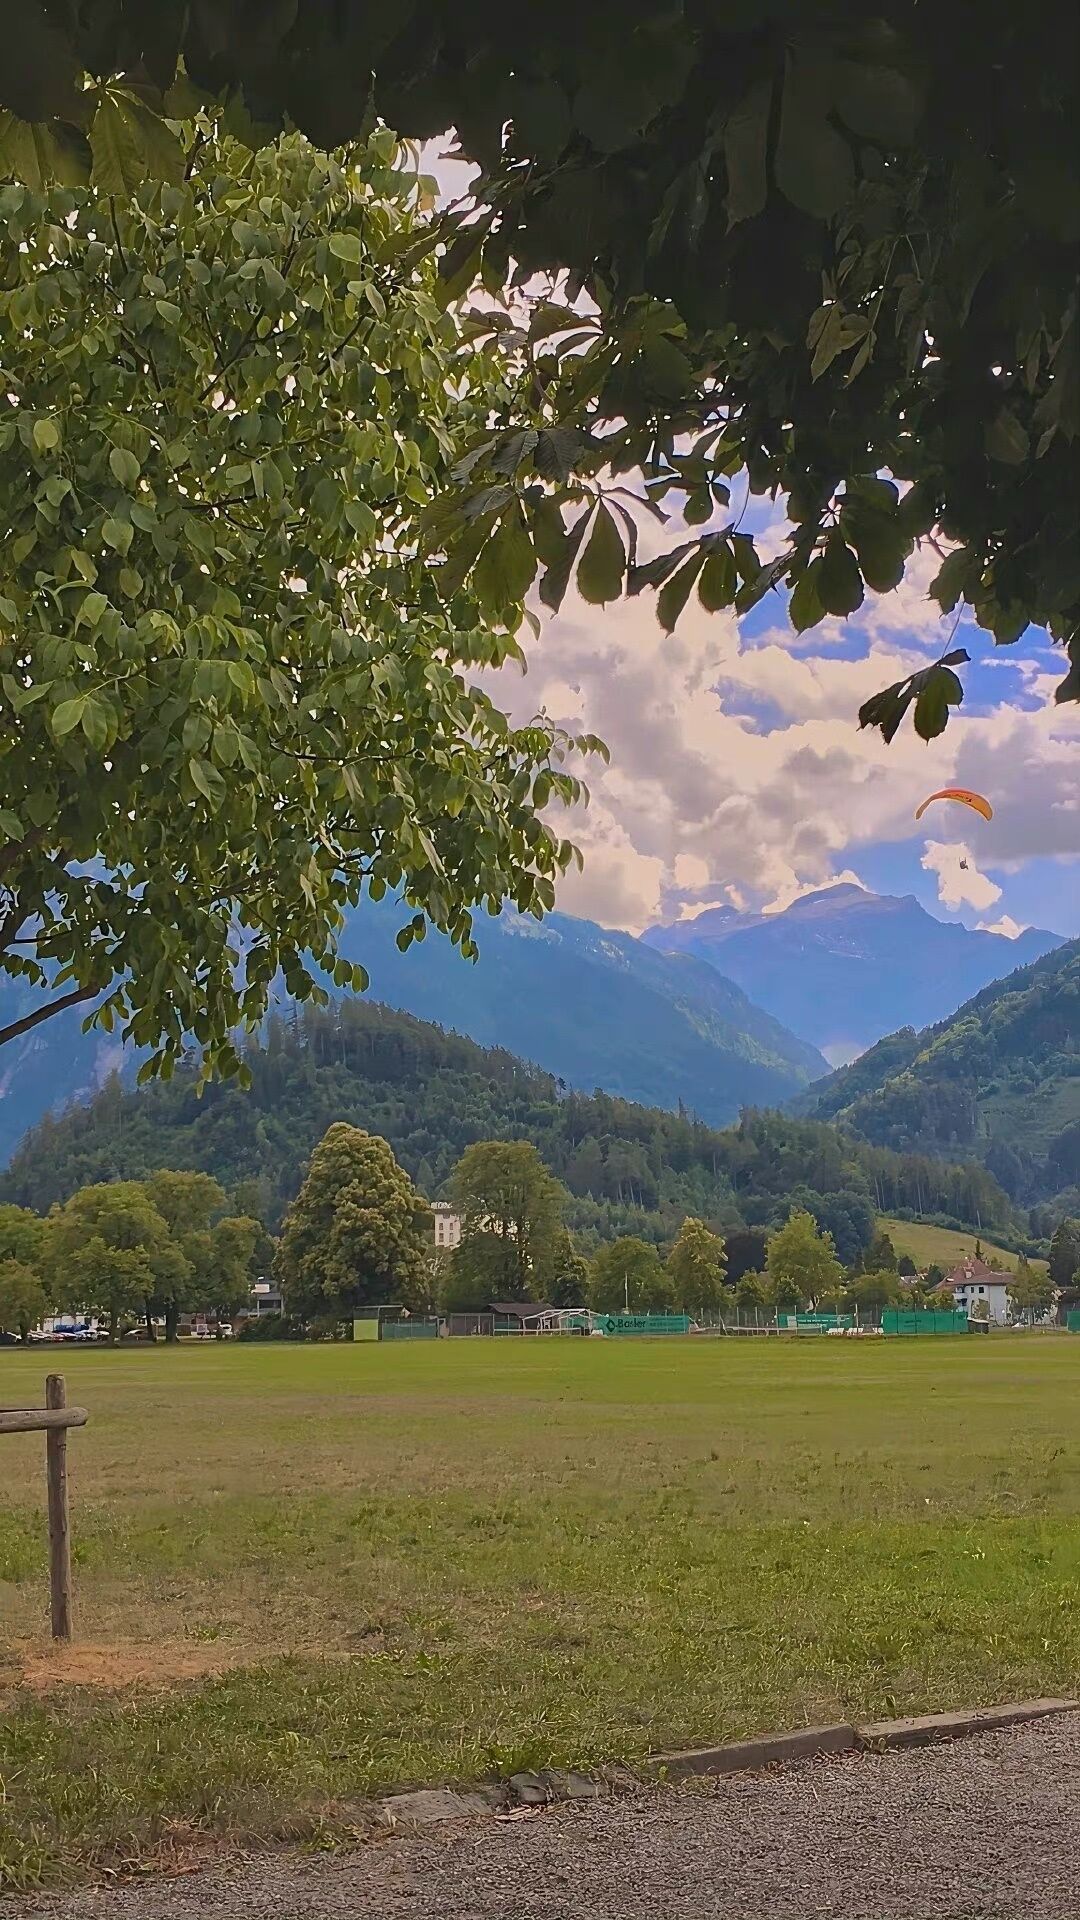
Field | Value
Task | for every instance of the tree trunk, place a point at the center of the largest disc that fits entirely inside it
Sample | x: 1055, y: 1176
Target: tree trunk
x: 172, y: 1318
x: 112, y: 1329
x: 151, y: 1332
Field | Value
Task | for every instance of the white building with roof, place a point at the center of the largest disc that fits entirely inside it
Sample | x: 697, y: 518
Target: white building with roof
x: 972, y: 1282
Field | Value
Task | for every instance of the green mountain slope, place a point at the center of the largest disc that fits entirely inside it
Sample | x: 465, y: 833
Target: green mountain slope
x: 1000, y: 1080
x: 432, y: 1093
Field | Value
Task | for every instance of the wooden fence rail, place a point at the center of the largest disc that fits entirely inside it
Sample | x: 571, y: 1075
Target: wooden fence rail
x: 53, y: 1420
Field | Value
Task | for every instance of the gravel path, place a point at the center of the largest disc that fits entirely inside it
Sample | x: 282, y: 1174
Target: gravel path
x: 985, y: 1827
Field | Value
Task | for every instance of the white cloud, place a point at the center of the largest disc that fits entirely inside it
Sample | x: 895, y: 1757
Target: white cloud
x: 959, y: 882
x: 738, y: 771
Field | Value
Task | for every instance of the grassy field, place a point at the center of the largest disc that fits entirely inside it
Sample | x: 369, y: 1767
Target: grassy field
x: 945, y: 1245
x: 304, y: 1575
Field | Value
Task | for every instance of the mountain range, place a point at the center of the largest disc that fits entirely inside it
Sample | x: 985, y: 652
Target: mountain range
x: 843, y: 966
x: 627, y: 1168
x: 718, y: 1013
x: 595, y: 1008
x: 999, y: 1080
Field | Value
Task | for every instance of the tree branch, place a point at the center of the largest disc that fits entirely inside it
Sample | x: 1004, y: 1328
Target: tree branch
x: 30, y: 1020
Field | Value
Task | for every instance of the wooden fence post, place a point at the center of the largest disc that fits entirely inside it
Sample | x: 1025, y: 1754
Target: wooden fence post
x: 59, y: 1530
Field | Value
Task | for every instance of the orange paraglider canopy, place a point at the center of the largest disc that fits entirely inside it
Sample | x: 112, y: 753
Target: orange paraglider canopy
x: 963, y: 797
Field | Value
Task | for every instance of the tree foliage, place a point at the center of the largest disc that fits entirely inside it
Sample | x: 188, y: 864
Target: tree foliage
x: 812, y: 255
x: 354, y: 1236
x: 232, y: 695
x: 108, y: 1252
x: 695, y: 1266
x: 24, y: 1299
x: 1065, y: 1254
x: 998, y: 1079
x: 511, y: 1210
x: 627, y: 1277
x: 801, y: 1263
x: 214, y: 1272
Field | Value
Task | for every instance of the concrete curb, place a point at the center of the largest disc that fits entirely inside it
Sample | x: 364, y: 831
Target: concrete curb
x: 876, y: 1736
x: 740, y: 1755
x: 438, y: 1806
x: 927, y: 1729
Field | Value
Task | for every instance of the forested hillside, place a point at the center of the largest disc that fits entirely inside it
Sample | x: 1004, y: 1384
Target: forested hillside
x: 628, y: 1167
x: 1000, y: 1079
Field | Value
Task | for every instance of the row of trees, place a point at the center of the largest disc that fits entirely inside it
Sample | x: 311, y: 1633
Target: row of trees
x: 359, y: 1234
x: 152, y: 1249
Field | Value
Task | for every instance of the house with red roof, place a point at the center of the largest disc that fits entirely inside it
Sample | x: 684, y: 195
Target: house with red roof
x: 972, y: 1282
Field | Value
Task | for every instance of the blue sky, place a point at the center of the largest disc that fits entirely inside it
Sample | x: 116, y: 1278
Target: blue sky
x: 738, y: 771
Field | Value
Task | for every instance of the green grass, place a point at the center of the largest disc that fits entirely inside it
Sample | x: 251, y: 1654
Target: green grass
x: 945, y: 1245
x: 447, y: 1561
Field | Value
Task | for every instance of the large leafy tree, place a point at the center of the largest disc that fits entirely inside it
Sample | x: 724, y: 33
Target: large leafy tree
x: 813, y: 255
x: 108, y: 1251
x: 24, y: 1298
x: 1065, y: 1254
x: 801, y: 1262
x: 627, y: 1277
x: 214, y: 1272
x: 511, y: 1208
x: 23, y: 1294
x: 355, y: 1234
x: 232, y: 696
x: 695, y: 1266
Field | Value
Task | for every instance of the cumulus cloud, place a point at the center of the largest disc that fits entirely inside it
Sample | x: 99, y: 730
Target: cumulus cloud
x: 959, y: 882
x: 738, y: 771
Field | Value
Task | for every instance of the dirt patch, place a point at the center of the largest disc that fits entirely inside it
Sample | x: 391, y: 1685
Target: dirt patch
x: 113, y: 1668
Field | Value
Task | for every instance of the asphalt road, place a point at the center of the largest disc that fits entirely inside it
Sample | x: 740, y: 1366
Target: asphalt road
x: 984, y: 1827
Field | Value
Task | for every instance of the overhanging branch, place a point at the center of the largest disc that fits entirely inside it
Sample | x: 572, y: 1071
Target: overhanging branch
x: 35, y: 1019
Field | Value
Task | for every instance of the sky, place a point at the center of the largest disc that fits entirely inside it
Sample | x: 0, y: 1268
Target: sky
x: 738, y: 771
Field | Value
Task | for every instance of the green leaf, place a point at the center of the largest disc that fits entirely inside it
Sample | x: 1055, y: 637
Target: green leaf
x: 950, y: 582
x: 116, y: 533
x: 558, y: 451
x: 560, y: 557
x: 1006, y: 439
x: 814, y: 165
x: 881, y: 543
x: 346, y: 246
x: 673, y: 597
x: 940, y: 690
x: 877, y: 102
x: 91, y: 609
x: 118, y: 165
x: 602, y: 567
x: 806, y: 608
x: 46, y: 435
x: 66, y: 717
x: 540, y: 112
x: 886, y: 710
x: 162, y: 154
x: 504, y: 571
x: 698, y: 507
x: 95, y: 723
x: 839, y: 584
x: 125, y: 467
x: 10, y: 825
x: 719, y: 579
x: 745, y: 143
